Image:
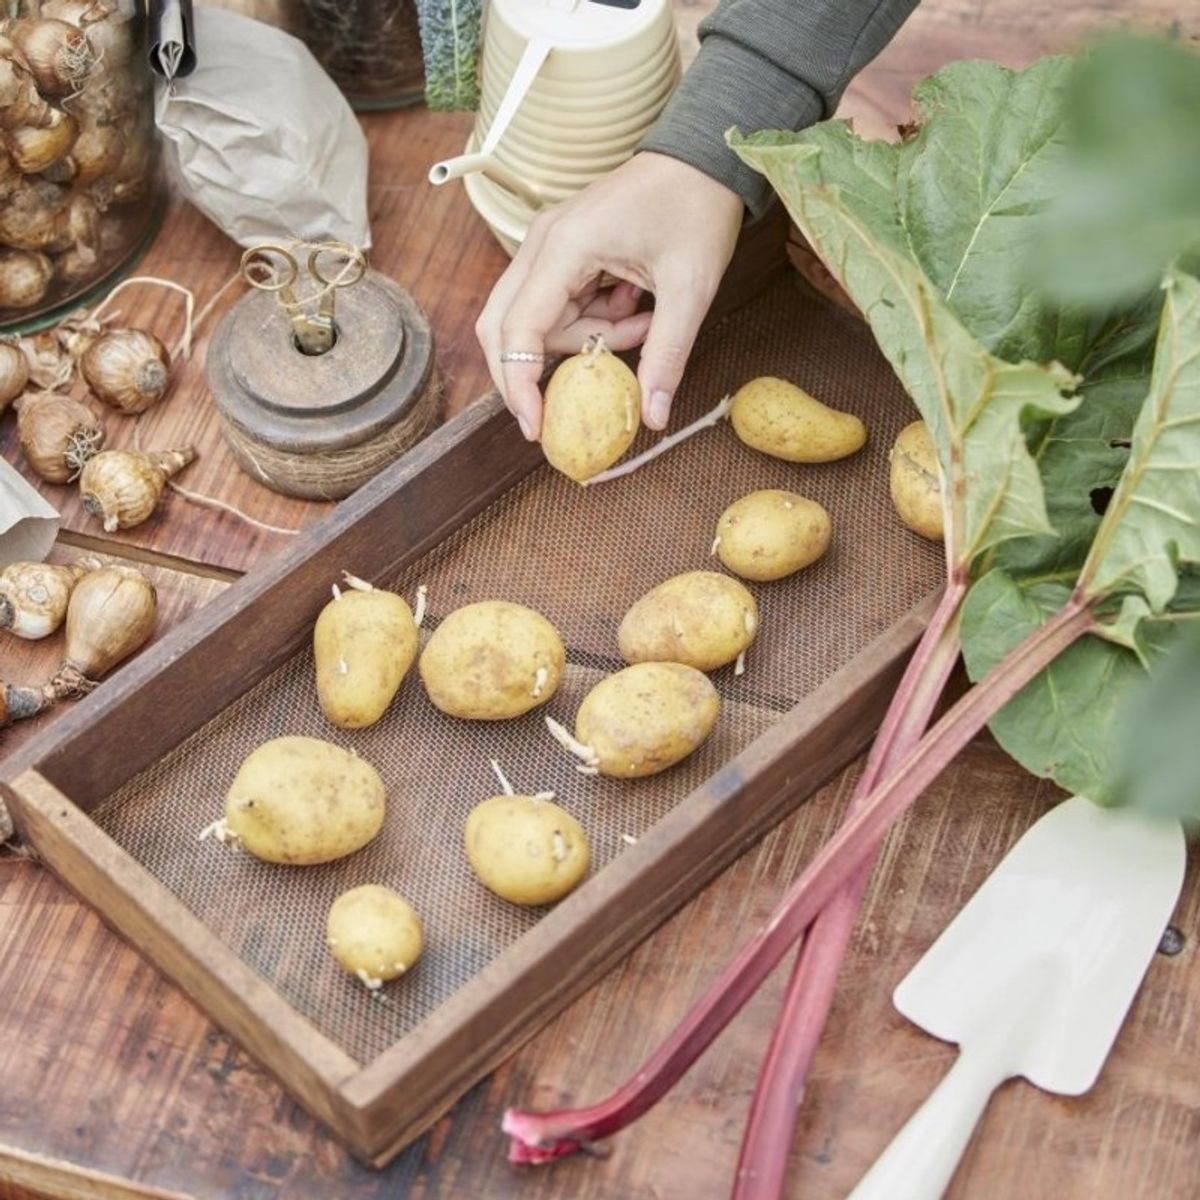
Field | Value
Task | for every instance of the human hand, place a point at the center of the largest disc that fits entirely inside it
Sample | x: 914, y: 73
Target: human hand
x: 655, y: 224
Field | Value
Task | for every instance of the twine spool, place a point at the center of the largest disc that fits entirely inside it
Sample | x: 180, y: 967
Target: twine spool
x: 319, y: 426
x: 334, y: 474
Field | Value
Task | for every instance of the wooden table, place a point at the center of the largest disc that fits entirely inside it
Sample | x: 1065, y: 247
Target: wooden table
x: 113, y: 1085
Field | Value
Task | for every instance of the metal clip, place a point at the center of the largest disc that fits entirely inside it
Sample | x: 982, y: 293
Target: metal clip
x: 261, y: 268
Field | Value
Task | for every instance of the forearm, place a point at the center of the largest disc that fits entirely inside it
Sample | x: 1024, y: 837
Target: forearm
x: 769, y: 64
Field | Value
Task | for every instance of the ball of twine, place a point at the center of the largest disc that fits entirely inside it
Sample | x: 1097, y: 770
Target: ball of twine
x: 334, y: 474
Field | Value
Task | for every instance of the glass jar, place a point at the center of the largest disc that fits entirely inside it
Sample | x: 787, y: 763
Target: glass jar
x: 80, y: 191
x: 371, y: 48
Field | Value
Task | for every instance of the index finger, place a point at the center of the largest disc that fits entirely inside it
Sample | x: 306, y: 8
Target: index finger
x: 535, y: 311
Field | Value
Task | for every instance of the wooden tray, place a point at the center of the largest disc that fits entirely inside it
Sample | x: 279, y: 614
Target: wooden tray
x: 114, y: 795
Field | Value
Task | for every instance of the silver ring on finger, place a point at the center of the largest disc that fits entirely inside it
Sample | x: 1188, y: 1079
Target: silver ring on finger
x: 523, y: 356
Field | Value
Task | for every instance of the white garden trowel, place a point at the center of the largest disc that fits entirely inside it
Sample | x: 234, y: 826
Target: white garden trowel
x: 1033, y: 977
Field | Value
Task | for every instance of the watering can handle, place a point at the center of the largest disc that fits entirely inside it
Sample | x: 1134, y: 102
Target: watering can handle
x: 530, y: 63
x: 532, y: 58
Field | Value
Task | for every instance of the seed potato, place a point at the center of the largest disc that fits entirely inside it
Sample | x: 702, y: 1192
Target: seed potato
x: 299, y: 800
x: 780, y: 419
x: 590, y: 415
x: 364, y: 643
x: 701, y: 618
x: 374, y: 933
x: 492, y: 660
x: 771, y: 534
x: 525, y: 849
x: 916, y: 481
x: 647, y: 718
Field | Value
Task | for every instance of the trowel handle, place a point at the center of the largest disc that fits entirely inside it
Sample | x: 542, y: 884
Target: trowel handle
x: 921, y: 1159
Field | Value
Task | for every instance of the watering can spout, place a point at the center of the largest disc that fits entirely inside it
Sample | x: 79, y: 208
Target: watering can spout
x: 486, y: 164
x: 456, y: 168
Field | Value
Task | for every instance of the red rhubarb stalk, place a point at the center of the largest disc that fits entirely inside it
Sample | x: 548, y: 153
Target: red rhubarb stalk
x: 762, y: 1164
x: 542, y: 1137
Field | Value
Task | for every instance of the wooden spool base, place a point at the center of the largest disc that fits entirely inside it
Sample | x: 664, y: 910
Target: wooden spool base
x: 320, y: 426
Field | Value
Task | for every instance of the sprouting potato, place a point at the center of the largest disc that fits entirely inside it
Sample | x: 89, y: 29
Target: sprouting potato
x: 783, y: 420
x: 590, y: 415
x: 916, y: 481
x: 646, y: 718
x: 492, y: 660
x: 300, y: 800
x: 364, y: 643
x: 526, y: 849
x: 770, y: 534
x: 701, y: 618
x: 374, y: 933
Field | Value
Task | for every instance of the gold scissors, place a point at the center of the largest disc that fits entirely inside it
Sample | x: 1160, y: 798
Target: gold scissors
x: 274, y: 268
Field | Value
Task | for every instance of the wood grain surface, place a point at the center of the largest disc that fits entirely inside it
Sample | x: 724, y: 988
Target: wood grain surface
x: 112, y: 1085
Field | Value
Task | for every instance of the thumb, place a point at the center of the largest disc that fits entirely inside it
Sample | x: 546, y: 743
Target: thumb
x: 678, y: 311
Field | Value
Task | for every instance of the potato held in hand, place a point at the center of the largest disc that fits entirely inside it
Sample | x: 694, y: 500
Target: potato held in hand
x: 492, y: 660
x: 646, y: 718
x: 591, y: 413
x: 374, y: 933
x: 916, y: 481
x: 300, y: 800
x: 782, y: 420
x: 701, y: 618
x: 525, y: 849
x: 771, y: 534
x: 364, y: 643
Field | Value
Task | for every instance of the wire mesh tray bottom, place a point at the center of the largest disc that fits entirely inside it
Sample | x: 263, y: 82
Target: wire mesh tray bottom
x: 580, y: 556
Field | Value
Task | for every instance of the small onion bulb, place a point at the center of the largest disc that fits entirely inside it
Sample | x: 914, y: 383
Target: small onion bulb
x: 127, y: 368
x: 110, y: 616
x: 24, y: 277
x: 122, y: 487
x: 58, y: 434
x: 58, y: 53
x: 14, y: 373
x: 34, y: 595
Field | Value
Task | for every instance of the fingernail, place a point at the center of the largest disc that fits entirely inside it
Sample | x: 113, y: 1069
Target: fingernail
x: 525, y: 428
x: 660, y: 410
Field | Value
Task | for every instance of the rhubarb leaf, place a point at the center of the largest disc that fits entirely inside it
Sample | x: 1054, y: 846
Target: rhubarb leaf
x: 1065, y: 724
x: 1153, y: 520
x: 976, y: 405
x: 973, y: 187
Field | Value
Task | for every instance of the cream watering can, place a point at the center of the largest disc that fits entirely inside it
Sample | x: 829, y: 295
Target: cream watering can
x: 569, y: 88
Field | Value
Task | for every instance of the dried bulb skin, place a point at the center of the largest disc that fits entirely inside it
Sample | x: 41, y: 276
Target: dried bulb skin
x: 29, y: 220
x: 50, y: 366
x: 17, y: 703
x: 34, y: 595
x: 34, y: 148
x: 127, y: 368
x: 24, y: 277
x: 58, y: 53
x: 122, y: 487
x: 79, y: 12
x: 58, y: 434
x: 110, y: 616
x: 97, y: 152
x: 20, y: 103
x: 10, y: 178
x: 14, y: 373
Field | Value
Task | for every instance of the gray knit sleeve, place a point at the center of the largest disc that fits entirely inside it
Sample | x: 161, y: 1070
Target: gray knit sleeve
x: 768, y: 64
